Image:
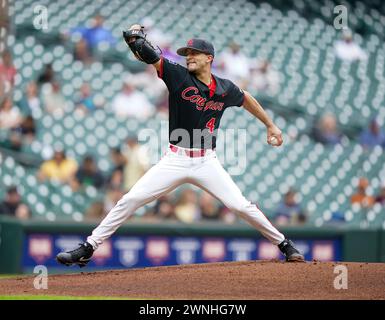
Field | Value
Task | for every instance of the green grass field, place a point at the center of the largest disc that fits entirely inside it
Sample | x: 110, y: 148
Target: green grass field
x: 10, y: 276
x: 54, y: 297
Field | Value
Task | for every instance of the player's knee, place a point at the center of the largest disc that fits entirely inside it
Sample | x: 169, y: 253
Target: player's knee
x: 243, y: 206
x: 131, y: 198
x: 237, y: 208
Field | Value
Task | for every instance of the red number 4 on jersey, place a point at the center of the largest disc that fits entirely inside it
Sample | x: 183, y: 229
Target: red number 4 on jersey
x: 210, y: 125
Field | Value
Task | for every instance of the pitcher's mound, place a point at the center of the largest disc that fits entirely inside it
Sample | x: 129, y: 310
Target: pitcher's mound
x: 227, y: 280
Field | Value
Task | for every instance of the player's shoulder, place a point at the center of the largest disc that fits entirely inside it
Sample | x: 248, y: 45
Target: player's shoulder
x: 173, y: 63
x: 170, y: 61
x: 226, y: 84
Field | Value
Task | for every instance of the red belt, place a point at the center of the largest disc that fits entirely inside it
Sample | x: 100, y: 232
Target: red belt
x: 190, y: 153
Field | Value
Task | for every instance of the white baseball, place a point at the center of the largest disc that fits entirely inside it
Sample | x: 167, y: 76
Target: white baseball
x: 273, y: 141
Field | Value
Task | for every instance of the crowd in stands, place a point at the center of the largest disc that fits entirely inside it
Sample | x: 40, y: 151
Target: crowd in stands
x: 87, y: 39
x: 141, y: 96
x: 362, y: 198
x: 190, y: 207
x: 326, y: 130
x: 289, y: 210
x: 7, y: 70
x: 346, y: 49
x: 132, y: 103
x: 12, y: 205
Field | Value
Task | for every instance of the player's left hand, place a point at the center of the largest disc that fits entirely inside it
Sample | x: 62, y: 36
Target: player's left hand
x: 274, y: 131
x: 135, y: 31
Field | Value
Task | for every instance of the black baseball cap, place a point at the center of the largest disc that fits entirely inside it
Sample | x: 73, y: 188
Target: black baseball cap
x: 198, y: 45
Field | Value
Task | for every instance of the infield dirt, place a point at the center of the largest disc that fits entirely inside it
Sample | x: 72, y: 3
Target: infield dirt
x: 250, y: 280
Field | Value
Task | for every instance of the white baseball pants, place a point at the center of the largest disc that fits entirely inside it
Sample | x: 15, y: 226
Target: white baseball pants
x: 174, y: 169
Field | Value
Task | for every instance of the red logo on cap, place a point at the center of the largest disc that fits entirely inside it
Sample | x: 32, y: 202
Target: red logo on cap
x: 190, y: 43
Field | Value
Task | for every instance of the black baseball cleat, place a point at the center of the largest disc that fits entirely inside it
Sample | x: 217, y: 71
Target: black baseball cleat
x: 290, y: 252
x: 80, y: 256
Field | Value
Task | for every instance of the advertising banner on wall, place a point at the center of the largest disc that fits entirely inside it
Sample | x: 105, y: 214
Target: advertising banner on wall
x: 121, y: 252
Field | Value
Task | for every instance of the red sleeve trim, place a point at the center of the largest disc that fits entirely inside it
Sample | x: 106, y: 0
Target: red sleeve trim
x: 160, y: 72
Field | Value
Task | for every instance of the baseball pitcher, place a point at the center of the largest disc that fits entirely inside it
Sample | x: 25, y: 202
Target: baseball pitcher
x: 197, y: 100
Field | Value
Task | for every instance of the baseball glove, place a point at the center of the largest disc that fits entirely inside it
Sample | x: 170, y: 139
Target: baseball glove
x: 140, y: 46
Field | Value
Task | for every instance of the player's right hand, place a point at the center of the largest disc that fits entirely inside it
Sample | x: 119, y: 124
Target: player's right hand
x: 274, y: 131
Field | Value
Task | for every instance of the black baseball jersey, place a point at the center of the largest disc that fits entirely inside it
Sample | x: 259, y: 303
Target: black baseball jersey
x: 194, y: 116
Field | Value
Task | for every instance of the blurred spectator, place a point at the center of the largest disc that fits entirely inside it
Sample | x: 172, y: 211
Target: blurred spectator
x: 209, y: 207
x: 7, y: 69
x: 10, y: 116
x: 148, y: 83
x: 346, y: 49
x: 155, y: 90
x: 264, y: 79
x: 289, y: 211
x: 337, y: 217
x: 132, y: 103
x: 82, y: 52
x: 96, y: 34
x: 13, y: 206
x: 54, y: 101
x: 234, y: 65
x: 98, y: 209
x: 227, y: 216
x: 88, y: 175
x: 4, y: 87
x: 25, y: 133
x: 47, y: 76
x: 372, y: 136
x: 95, y: 212
x: 326, y: 130
x: 137, y: 162
x: 170, y: 54
x: 163, y: 210
x: 361, y: 197
x: 380, y: 198
x: 28, y: 129
x: 118, y: 159
x: 59, y: 168
x: 30, y: 104
x: 187, y: 208
x: 86, y: 101
x: 114, y: 194
x: 116, y: 180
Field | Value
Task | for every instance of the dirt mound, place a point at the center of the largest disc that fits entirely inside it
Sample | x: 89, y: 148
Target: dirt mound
x: 229, y: 280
